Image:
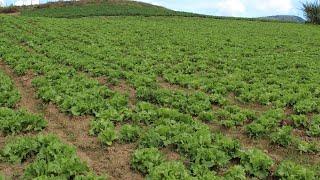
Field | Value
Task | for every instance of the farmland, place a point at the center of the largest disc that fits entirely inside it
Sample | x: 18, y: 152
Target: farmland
x: 159, y: 97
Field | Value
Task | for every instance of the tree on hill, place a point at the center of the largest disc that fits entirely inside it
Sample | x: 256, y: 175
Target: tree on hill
x: 312, y: 11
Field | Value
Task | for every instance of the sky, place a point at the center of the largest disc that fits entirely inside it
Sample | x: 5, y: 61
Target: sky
x: 238, y: 8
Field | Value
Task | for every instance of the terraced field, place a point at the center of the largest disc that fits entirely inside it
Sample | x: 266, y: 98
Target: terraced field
x: 132, y: 97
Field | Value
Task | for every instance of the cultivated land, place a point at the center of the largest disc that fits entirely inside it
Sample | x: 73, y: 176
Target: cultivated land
x: 159, y: 97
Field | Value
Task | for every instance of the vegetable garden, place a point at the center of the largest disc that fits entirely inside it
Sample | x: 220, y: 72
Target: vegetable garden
x: 231, y: 99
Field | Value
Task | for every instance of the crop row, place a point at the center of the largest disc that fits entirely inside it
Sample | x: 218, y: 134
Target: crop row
x: 286, y: 80
x: 52, y: 158
x: 58, y: 57
x: 196, y: 103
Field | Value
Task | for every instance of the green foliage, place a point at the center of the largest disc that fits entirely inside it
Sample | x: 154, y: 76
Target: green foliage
x: 206, y: 69
x: 235, y: 173
x: 299, y: 120
x: 103, y: 127
x: 231, y: 116
x: 169, y: 170
x: 107, y: 136
x: 9, y: 95
x: 306, y: 146
x: 12, y: 122
x: 265, y: 124
x: 144, y: 160
x: 206, y: 116
x: 314, y: 127
x: 226, y: 144
x: 202, y: 172
x: 53, y: 159
x: 282, y: 136
x: 256, y: 163
x: 191, y: 103
x: 20, y: 149
x: 211, y: 157
x: 77, y: 94
x: 145, y: 112
x: 304, y: 106
x: 312, y: 11
x: 99, y: 125
x: 291, y: 171
x: 130, y: 133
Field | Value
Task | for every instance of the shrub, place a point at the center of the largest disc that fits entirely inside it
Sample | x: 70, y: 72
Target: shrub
x: 312, y: 11
x: 170, y: 170
x: 291, y: 170
x: 9, y: 9
x: 256, y: 163
x: 145, y: 159
x: 129, y: 133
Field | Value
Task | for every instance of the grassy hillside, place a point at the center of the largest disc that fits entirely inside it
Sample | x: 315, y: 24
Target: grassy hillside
x: 83, y: 8
x: 285, y: 18
x: 180, y: 97
x: 100, y: 8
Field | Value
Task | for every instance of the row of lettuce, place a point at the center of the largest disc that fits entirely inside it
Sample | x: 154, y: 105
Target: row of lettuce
x: 47, y: 155
x: 140, y: 50
x: 165, y: 120
x: 94, y: 62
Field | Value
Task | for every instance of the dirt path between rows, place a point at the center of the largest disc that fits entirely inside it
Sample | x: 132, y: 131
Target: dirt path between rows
x: 113, y: 161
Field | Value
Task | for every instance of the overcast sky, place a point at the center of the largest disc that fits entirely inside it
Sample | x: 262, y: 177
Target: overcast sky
x: 240, y: 8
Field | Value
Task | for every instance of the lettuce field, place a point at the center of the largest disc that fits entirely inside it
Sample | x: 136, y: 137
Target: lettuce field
x: 159, y: 97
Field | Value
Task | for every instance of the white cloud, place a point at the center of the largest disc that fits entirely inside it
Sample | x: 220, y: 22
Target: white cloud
x: 2, y: 3
x: 275, y: 5
x: 230, y: 7
x: 26, y: 2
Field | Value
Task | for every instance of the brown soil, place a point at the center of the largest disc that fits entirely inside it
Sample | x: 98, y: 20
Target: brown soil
x: 113, y: 161
x: 171, y: 155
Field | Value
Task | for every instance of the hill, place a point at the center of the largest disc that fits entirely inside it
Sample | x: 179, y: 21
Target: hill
x: 285, y: 18
x: 157, y: 97
x: 88, y: 8
x: 76, y: 9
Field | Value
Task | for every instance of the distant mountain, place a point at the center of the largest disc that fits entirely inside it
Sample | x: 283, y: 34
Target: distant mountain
x: 286, y: 18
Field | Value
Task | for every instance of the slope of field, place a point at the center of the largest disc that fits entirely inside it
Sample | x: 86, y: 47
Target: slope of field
x: 103, y: 8
x: 285, y: 18
x: 177, y: 97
